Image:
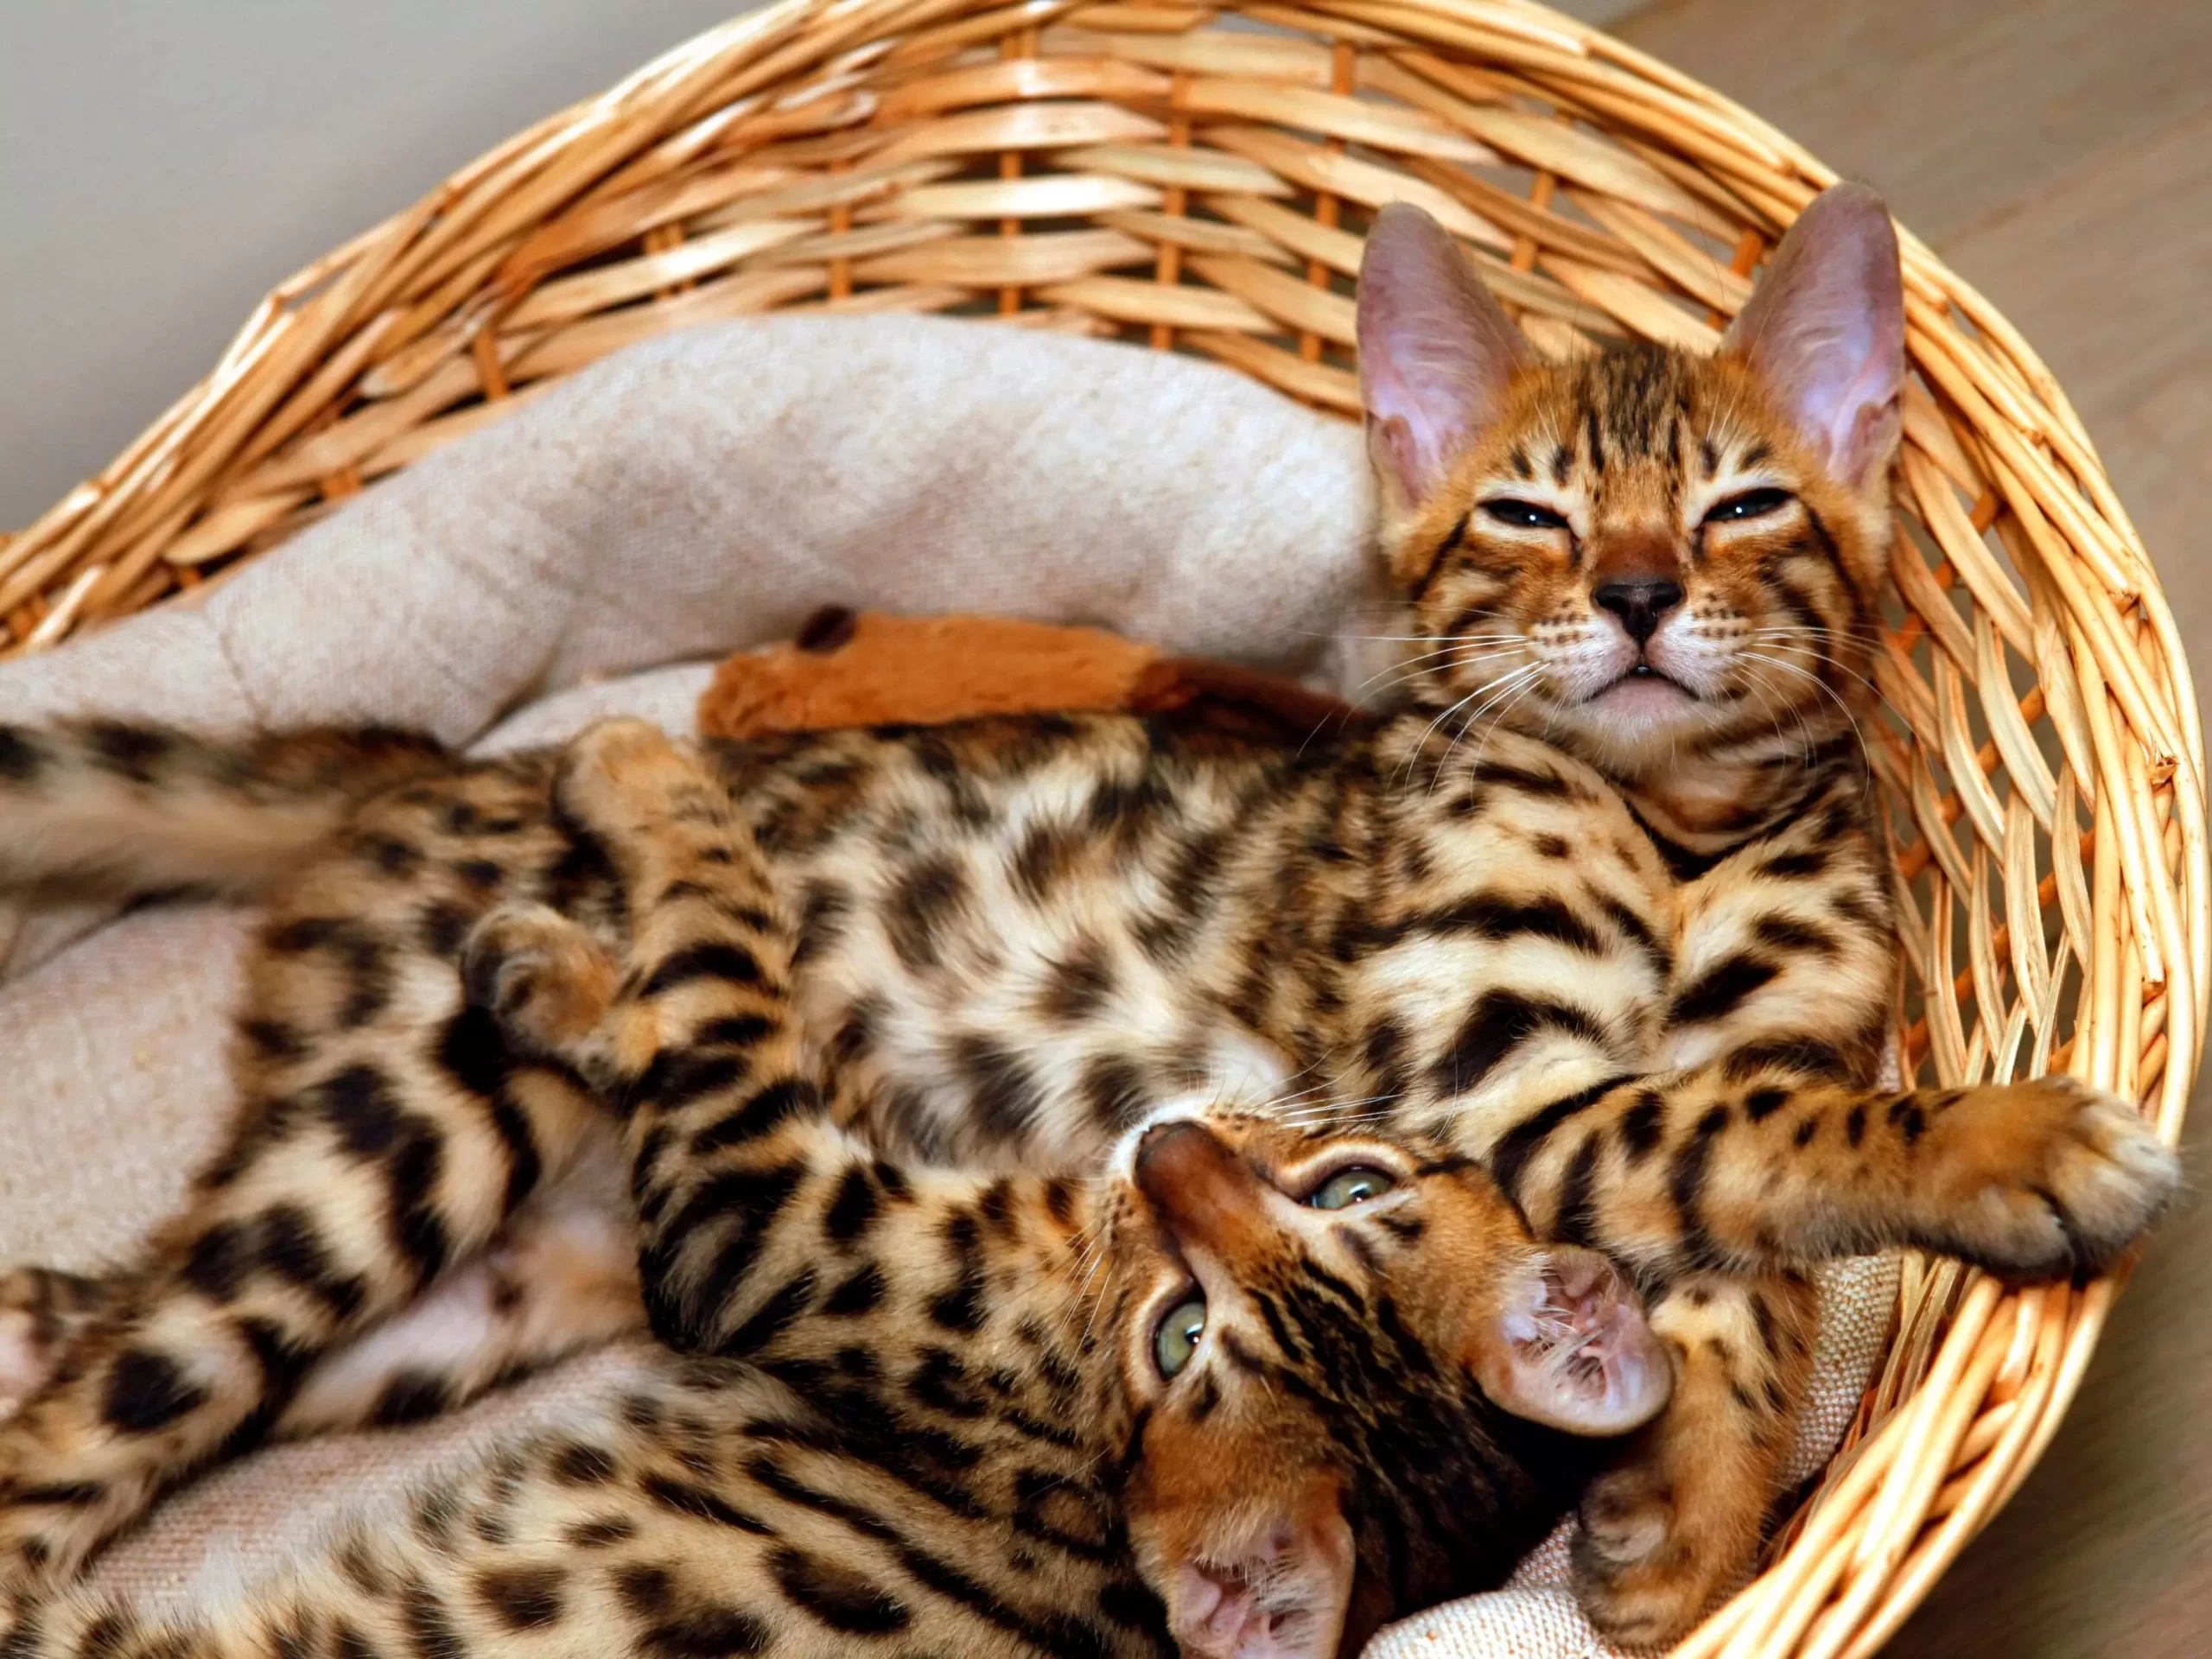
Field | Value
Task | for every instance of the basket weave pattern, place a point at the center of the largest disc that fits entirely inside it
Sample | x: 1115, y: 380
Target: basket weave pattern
x: 1200, y: 180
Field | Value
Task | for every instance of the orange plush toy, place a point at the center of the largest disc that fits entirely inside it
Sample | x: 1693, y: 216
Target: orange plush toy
x: 849, y: 668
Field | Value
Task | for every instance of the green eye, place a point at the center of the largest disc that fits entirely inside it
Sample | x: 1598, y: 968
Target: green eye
x: 1177, y: 1338
x: 1350, y: 1186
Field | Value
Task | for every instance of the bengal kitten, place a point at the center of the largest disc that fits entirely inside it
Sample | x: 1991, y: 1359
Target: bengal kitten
x: 1291, y: 1376
x: 1603, y: 909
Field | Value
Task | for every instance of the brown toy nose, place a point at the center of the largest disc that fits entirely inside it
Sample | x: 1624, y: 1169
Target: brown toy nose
x: 1201, y: 1191
x: 1640, y: 604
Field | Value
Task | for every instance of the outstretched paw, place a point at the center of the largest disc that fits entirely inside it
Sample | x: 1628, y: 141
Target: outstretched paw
x: 542, y: 976
x: 2046, y: 1178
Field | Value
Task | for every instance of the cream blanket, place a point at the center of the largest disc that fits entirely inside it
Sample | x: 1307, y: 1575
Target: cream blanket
x: 697, y: 494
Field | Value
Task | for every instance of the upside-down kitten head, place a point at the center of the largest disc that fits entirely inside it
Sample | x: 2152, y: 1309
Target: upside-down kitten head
x: 1650, y: 555
x: 1357, y: 1383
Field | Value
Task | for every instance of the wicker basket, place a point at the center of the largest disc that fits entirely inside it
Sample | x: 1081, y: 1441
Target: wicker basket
x: 1151, y: 171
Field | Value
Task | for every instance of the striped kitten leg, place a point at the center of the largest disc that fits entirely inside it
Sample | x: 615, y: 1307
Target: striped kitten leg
x: 708, y: 922
x: 560, y: 1276
x: 1674, y: 1522
x: 1756, y: 1169
x: 1717, y: 1183
x: 348, y: 1202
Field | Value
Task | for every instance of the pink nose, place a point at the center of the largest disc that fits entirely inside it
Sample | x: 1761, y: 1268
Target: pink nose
x: 1201, y: 1191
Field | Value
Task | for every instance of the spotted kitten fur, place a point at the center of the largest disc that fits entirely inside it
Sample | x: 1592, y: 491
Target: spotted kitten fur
x: 1290, y: 1377
x: 1603, y: 909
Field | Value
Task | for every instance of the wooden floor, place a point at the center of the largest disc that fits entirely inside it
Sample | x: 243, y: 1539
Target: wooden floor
x: 2058, y: 155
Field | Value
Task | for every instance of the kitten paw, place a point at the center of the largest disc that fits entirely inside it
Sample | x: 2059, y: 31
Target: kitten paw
x: 25, y: 1361
x: 42, y: 1314
x: 663, y: 819
x: 1641, y: 1579
x: 44, y: 1317
x: 541, y: 976
x: 623, y: 777
x: 2046, y: 1178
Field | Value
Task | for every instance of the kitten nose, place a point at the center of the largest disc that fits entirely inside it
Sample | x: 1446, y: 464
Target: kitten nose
x: 1639, y: 604
x: 1199, y: 1189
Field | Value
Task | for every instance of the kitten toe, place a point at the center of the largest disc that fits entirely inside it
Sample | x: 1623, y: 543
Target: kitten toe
x: 42, y: 1314
x: 2112, y: 1180
x: 622, y: 776
x: 542, y: 977
x: 1635, y: 1573
x: 25, y: 1361
x: 2058, y: 1178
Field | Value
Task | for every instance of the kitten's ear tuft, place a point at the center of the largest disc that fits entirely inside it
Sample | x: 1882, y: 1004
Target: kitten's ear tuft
x: 1273, y: 1581
x: 1569, y: 1347
x: 1436, y: 352
x: 1825, y: 330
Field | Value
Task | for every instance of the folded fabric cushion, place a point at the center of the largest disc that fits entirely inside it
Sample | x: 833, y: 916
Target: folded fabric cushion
x: 700, y: 494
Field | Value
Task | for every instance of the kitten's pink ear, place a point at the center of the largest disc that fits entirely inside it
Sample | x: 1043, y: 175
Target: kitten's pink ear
x: 1435, y: 352
x: 1569, y: 1347
x: 1277, y: 1589
x: 1825, y: 329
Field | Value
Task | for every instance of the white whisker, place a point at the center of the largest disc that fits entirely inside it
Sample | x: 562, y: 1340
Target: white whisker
x: 1793, y: 645
x: 1409, y: 675
x: 1773, y: 704
x: 1414, y: 752
x: 1865, y: 759
x: 1495, y: 720
x: 1506, y: 685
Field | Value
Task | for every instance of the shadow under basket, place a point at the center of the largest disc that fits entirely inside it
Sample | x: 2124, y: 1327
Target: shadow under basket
x: 1199, y: 180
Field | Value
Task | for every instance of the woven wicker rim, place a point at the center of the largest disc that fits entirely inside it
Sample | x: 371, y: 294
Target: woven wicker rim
x: 1139, y: 169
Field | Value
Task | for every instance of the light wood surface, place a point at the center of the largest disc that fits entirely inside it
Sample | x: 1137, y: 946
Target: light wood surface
x: 2058, y: 155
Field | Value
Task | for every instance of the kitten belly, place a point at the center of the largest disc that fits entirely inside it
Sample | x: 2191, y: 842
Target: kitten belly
x: 967, y: 1021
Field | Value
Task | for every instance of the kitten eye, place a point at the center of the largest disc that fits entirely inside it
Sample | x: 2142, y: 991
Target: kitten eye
x: 1523, y: 515
x: 1752, y: 504
x: 1350, y: 1186
x: 1177, y: 1338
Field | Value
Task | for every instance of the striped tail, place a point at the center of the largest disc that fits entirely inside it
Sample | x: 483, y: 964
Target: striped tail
x: 126, y: 810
